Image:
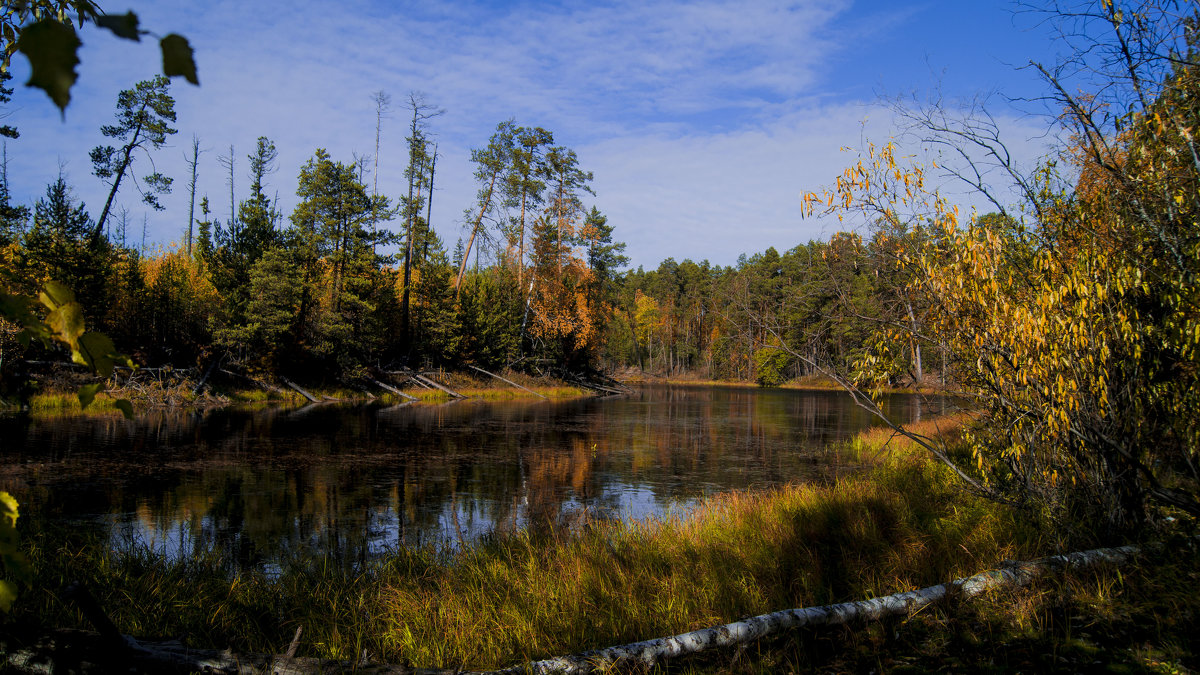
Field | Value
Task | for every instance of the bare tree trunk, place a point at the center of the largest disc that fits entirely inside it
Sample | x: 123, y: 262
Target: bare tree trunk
x: 918, y: 372
x: 192, y: 163
x: 429, y: 202
x: 521, y: 253
x: 462, y: 267
x: 228, y: 163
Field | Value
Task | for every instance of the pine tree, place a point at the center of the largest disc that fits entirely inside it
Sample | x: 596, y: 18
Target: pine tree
x: 59, y: 247
x: 143, y: 114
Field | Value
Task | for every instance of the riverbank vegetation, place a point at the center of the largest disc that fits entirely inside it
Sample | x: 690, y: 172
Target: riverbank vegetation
x: 901, y: 522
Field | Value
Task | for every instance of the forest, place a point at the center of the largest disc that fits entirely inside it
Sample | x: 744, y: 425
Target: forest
x: 350, y: 279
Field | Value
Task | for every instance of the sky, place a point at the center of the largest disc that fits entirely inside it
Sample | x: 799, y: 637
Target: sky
x: 702, y: 122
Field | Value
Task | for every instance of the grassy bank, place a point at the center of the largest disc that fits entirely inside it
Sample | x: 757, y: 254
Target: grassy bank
x: 898, y: 524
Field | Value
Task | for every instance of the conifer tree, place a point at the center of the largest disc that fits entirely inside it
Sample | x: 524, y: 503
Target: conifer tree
x: 144, y: 114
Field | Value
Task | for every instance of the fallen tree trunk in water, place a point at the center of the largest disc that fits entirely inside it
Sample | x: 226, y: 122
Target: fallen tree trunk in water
x: 508, y: 381
x: 388, y: 387
x: 47, y: 656
x: 297, y: 388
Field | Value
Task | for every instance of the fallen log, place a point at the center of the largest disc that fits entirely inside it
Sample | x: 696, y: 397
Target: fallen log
x: 421, y: 378
x: 508, y: 381
x: 616, y: 384
x: 594, y: 387
x: 295, y: 386
x: 648, y: 653
x: 207, y: 373
x: 408, y: 377
x: 257, y: 382
x: 388, y: 387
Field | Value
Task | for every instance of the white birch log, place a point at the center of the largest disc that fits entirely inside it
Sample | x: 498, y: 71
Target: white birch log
x: 434, y: 383
x: 296, y: 387
x: 648, y: 653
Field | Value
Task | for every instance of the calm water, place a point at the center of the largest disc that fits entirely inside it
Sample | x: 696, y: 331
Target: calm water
x: 354, y: 481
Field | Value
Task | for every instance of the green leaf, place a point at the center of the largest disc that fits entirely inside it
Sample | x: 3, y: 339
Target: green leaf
x: 96, y: 351
x: 8, y: 593
x: 177, y: 58
x: 125, y: 407
x: 67, y: 322
x: 54, y: 295
x: 8, y: 511
x: 122, y: 25
x: 87, y: 393
x: 50, y: 47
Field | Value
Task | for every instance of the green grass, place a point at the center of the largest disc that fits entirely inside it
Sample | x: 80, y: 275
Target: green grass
x: 898, y: 524
x: 56, y: 404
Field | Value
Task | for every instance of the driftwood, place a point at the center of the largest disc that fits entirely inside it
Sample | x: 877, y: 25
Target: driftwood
x: 211, y: 367
x: 409, y: 376
x: 388, y: 387
x: 616, y: 384
x: 432, y: 383
x: 508, y: 381
x: 255, y: 381
x: 112, y: 650
x: 438, y: 385
x: 295, y: 386
x: 593, y: 386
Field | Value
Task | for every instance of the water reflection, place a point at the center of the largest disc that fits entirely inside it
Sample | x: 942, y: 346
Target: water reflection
x: 354, y: 481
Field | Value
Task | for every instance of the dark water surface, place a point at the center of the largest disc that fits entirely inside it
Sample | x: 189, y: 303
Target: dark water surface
x: 354, y: 481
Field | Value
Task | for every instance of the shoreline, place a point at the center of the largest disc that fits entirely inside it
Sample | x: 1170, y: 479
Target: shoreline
x: 59, y: 400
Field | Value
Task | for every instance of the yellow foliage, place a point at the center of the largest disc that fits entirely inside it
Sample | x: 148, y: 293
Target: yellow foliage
x: 1046, y: 328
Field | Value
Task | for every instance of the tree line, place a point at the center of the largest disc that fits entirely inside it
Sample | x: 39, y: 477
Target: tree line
x: 350, y: 279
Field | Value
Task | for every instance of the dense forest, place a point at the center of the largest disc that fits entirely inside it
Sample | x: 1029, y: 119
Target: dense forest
x: 351, y: 279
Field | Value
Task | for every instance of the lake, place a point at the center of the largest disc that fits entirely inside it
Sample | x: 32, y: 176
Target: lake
x: 354, y: 481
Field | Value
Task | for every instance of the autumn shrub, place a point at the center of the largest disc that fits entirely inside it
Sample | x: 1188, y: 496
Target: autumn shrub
x: 1074, y: 324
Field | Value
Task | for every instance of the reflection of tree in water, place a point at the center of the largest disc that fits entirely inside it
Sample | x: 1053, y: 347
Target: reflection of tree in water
x: 353, y: 481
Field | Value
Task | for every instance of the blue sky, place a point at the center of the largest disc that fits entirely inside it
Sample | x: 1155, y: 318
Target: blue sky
x: 701, y: 121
